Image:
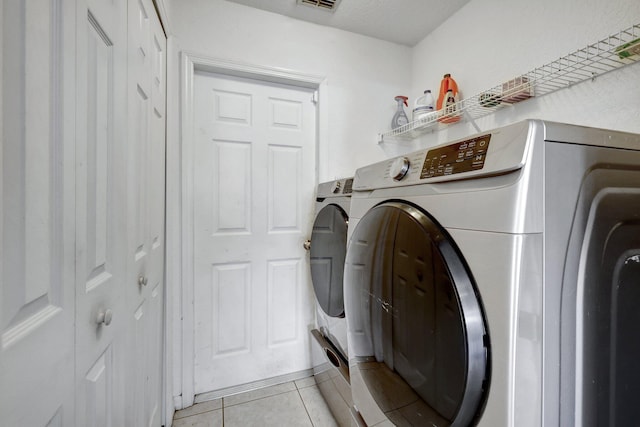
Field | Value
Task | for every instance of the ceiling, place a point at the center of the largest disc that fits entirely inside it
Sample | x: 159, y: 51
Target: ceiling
x: 399, y: 21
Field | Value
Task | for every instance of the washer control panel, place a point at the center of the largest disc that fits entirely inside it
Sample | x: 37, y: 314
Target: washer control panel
x: 464, y: 156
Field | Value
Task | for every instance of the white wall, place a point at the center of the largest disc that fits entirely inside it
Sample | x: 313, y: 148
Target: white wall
x: 363, y: 74
x: 492, y: 41
x: 484, y: 44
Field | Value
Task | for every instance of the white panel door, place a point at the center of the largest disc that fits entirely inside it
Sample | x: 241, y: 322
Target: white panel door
x: 145, y: 228
x: 37, y: 212
x: 254, y: 174
x: 100, y: 212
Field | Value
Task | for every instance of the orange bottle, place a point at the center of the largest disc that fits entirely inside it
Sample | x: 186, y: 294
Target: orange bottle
x: 447, y: 99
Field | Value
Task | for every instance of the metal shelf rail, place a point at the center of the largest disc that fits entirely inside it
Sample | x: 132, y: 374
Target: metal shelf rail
x: 611, y: 53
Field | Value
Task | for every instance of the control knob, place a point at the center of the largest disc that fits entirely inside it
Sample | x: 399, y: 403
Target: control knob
x: 335, y: 188
x: 399, y: 168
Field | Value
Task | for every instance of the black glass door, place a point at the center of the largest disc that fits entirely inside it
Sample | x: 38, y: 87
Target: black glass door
x: 601, y: 302
x: 415, y: 319
x: 327, y: 253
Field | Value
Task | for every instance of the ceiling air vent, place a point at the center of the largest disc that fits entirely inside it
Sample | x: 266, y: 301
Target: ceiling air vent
x: 321, y: 4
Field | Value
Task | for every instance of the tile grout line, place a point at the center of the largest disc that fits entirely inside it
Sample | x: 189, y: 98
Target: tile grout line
x: 223, y: 406
x: 196, y: 414
x: 263, y: 397
x: 304, y: 405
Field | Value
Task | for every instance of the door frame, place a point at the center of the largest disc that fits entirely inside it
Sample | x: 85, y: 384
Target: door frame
x: 180, y: 265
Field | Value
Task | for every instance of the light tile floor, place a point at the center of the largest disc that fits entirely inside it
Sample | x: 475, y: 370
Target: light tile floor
x: 296, y: 403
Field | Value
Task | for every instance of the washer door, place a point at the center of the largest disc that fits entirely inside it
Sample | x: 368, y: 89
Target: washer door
x: 327, y: 255
x: 600, y: 299
x: 419, y: 344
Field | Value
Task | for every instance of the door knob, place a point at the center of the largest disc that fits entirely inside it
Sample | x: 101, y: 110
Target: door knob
x: 307, y: 244
x: 142, y: 281
x: 104, y: 317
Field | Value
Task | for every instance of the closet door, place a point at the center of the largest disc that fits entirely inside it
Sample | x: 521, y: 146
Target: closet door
x: 145, y: 225
x: 36, y: 212
x: 100, y: 211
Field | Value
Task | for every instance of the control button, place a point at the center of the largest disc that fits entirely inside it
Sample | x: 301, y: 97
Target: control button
x: 399, y: 168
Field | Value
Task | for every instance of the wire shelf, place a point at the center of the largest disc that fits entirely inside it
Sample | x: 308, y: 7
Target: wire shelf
x: 611, y: 53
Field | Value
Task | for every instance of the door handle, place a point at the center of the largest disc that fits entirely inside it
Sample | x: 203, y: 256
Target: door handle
x: 142, y: 281
x: 104, y: 317
x: 307, y: 245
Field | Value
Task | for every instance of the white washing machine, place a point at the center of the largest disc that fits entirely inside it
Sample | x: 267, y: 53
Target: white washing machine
x: 327, y: 249
x: 495, y: 281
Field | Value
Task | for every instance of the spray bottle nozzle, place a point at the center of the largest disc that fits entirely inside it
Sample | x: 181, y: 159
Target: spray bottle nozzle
x: 403, y: 99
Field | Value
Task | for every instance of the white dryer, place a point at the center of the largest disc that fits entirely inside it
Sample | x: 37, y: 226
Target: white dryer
x: 327, y: 249
x: 493, y: 281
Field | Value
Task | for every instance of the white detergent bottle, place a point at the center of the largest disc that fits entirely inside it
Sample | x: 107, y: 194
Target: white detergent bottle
x: 423, y: 105
x: 426, y: 101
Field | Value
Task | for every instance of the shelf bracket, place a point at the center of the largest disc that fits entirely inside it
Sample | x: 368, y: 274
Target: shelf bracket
x: 472, y: 120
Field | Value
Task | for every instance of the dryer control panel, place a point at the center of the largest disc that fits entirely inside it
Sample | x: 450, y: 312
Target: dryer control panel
x: 464, y: 156
x: 337, y: 188
x: 486, y: 154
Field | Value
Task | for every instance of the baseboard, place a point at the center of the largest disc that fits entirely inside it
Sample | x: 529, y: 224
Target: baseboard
x: 224, y: 392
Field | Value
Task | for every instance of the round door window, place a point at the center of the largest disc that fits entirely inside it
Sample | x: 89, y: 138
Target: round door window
x: 416, y: 324
x: 328, y: 251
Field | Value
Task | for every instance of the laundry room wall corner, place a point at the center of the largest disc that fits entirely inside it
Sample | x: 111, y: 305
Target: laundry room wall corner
x: 529, y: 35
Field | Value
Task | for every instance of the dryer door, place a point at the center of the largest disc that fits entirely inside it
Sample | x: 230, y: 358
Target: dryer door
x: 327, y: 253
x: 419, y: 354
